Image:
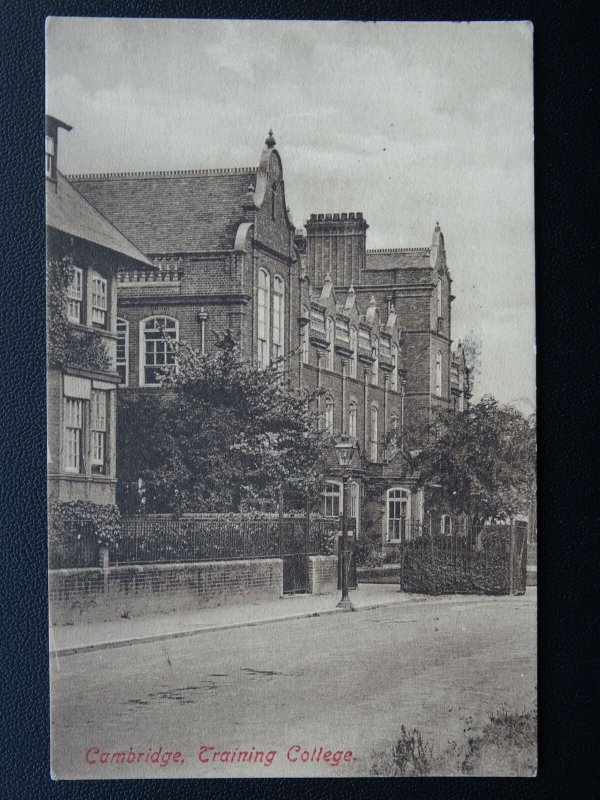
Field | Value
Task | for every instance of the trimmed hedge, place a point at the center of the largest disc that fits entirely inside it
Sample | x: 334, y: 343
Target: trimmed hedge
x: 456, y: 570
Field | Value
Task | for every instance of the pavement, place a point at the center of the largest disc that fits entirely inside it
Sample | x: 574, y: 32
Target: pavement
x: 337, y: 682
x: 70, y: 639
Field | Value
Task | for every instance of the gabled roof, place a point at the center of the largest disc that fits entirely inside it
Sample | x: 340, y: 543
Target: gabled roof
x: 169, y: 212
x: 68, y: 211
x: 399, y: 258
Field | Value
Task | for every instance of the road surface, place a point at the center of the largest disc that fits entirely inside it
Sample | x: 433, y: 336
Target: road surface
x: 334, y: 689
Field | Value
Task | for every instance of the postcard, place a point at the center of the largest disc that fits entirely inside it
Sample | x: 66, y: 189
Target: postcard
x: 291, y: 398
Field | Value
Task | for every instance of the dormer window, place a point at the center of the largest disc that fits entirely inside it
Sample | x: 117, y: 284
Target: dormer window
x: 50, y: 157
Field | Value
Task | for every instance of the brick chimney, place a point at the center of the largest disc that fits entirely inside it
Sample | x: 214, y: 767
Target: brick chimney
x: 52, y: 126
x: 336, y: 244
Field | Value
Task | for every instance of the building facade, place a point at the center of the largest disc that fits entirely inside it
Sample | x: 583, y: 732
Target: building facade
x: 84, y: 253
x: 371, y: 329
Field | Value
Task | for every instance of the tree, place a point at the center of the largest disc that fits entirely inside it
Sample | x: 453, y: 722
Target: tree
x: 222, y: 436
x: 484, y: 458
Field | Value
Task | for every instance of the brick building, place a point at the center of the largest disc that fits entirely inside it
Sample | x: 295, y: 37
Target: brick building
x: 371, y: 328
x: 82, y: 398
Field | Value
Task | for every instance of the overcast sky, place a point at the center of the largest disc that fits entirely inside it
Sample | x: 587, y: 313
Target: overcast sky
x: 407, y: 122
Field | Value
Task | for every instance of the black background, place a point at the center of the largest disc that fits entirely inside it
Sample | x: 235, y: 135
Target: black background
x: 566, y: 37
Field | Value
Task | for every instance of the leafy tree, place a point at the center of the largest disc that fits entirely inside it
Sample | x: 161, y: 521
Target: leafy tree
x: 222, y: 436
x: 484, y: 458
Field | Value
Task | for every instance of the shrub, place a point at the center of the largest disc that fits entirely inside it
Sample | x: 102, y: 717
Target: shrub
x: 77, y: 528
x: 410, y: 755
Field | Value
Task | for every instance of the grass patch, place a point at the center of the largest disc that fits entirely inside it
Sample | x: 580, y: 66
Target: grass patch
x: 504, y: 746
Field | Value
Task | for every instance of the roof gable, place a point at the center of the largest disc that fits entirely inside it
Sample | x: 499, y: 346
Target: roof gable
x: 68, y: 211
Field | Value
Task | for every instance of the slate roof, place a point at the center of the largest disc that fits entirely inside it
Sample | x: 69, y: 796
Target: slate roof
x: 403, y: 257
x: 68, y: 211
x: 170, y: 212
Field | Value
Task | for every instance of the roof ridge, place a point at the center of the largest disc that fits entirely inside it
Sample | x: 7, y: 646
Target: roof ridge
x: 400, y: 250
x: 165, y: 173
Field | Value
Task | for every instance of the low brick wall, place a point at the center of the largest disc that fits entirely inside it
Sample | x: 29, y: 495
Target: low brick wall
x: 388, y: 573
x: 322, y: 574
x: 94, y: 595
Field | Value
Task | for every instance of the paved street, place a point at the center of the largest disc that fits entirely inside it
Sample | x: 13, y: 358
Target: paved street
x: 344, y: 683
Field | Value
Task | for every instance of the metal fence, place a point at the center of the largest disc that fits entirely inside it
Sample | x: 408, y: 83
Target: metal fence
x: 155, y: 540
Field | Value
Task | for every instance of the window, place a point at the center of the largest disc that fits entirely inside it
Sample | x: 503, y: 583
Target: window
x: 438, y: 374
x: 394, y: 380
x: 375, y: 365
x: 332, y: 499
x: 160, y: 335
x: 353, y: 499
x: 263, y: 317
x: 439, y: 298
x: 278, y: 317
x: 461, y: 386
x: 98, y: 429
x: 75, y: 295
x: 73, y: 434
x: 354, y: 348
x: 99, y: 304
x: 394, y: 423
x: 305, y: 343
x: 123, y: 350
x: 352, y: 412
x: 446, y: 525
x: 329, y: 406
x: 398, y: 508
x: 330, y: 334
x: 374, y: 433
x: 50, y: 157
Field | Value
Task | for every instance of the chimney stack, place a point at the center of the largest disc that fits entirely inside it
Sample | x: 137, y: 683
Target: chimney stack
x: 336, y: 244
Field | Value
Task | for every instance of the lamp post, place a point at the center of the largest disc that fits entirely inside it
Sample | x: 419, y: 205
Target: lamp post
x: 344, y: 449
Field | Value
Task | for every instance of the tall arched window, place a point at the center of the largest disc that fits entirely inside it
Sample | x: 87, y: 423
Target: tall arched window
x: 122, y: 362
x: 329, y: 406
x: 278, y: 317
x: 158, y: 337
x: 330, y: 333
x: 353, y: 507
x: 394, y: 379
x: 375, y: 366
x: 305, y: 343
x: 438, y: 374
x: 263, y: 317
x: 446, y: 525
x: 374, y: 432
x: 352, y: 415
x: 398, y: 514
x: 354, y: 348
x: 439, y: 298
x: 332, y: 499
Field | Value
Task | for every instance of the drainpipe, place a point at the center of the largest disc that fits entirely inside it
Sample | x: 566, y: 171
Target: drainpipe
x: 344, y: 427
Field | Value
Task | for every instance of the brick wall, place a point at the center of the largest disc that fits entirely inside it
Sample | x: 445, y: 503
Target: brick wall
x: 322, y: 574
x: 93, y: 595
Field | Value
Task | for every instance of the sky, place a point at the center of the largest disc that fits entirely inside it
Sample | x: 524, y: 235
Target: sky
x: 410, y: 123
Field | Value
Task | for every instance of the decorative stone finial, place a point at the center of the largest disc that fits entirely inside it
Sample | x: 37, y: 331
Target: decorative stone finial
x: 270, y: 140
x: 437, y: 226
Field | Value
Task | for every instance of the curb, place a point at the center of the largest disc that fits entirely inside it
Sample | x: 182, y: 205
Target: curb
x: 88, y: 648
x: 110, y: 645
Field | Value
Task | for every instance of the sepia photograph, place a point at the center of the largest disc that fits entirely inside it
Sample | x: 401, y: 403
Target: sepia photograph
x: 291, y: 405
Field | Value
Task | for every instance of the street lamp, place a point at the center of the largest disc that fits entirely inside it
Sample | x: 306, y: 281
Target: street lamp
x: 344, y: 449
